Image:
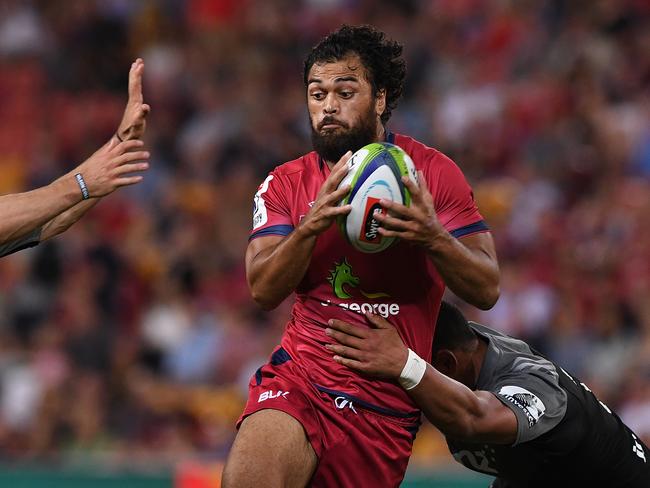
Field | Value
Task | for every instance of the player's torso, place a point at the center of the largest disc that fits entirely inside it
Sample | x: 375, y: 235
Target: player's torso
x: 400, y: 284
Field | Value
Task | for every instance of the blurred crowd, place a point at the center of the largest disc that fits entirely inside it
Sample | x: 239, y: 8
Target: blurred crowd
x: 131, y: 338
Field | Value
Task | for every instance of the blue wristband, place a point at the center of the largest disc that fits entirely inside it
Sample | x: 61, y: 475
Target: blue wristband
x: 85, y: 195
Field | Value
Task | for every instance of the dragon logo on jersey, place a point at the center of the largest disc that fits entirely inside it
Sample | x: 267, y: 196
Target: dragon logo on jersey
x: 530, y: 404
x: 343, y: 283
x: 342, y: 275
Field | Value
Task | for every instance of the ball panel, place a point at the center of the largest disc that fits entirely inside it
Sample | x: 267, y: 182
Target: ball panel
x: 374, y: 173
x: 361, y: 229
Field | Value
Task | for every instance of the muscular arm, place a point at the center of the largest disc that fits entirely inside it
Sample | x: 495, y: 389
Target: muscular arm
x: 457, y: 411
x: 275, y: 264
x: 25, y: 212
x: 460, y: 413
x: 57, y: 206
x: 468, y: 265
x: 65, y: 220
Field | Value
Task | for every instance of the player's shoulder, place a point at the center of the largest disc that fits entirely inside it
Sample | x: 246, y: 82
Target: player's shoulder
x: 422, y: 154
x: 306, y: 163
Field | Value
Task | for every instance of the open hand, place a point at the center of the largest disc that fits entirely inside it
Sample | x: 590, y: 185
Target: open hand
x: 326, y: 206
x: 134, y: 120
x: 110, y: 166
x: 418, y: 223
x: 377, y: 351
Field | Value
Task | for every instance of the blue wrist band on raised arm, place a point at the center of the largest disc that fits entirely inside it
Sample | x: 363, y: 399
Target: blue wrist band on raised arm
x: 82, y: 185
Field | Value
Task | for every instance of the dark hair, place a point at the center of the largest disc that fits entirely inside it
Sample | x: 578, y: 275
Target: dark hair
x: 452, y: 330
x: 381, y: 57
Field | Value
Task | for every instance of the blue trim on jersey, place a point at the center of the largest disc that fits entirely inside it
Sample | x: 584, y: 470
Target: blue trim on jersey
x: 479, y: 226
x: 368, y: 406
x: 413, y: 429
x: 274, y: 230
x: 390, y: 137
x: 280, y: 357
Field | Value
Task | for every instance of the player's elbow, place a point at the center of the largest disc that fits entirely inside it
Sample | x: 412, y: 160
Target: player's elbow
x: 265, y: 300
x: 460, y: 427
x: 489, y: 297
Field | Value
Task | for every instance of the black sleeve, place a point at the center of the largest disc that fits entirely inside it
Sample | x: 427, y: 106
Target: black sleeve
x: 535, y: 397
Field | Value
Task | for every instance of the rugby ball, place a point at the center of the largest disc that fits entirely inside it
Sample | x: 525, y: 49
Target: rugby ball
x: 374, y: 172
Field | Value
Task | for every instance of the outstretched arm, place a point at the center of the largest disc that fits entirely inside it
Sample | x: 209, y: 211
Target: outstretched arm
x: 457, y: 411
x: 132, y: 127
x: 103, y: 172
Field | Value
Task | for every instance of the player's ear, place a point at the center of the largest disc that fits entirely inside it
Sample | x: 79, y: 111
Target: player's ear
x: 445, y: 361
x: 380, y: 102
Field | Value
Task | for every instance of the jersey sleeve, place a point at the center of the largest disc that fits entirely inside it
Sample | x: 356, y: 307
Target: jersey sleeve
x: 453, y: 198
x: 532, y: 391
x: 271, y: 211
x: 30, y: 240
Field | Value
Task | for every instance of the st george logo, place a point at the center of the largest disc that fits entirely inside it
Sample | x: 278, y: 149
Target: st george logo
x: 344, y: 283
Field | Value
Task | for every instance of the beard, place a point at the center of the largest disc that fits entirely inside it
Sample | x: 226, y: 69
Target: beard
x: 332, y: 144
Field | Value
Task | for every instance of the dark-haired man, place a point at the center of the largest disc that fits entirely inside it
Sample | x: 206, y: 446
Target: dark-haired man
x: 28, y: 218
x: 309, y: 420
x: 505, y: 410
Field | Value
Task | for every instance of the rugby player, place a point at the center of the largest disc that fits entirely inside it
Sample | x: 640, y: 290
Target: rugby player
x: 309, y: 420
x: 505, y: 410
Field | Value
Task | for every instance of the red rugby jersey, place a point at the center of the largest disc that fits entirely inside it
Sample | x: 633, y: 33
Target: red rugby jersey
x: 399, y: 283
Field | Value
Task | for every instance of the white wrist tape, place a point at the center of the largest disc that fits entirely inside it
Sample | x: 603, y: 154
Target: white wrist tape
x: 413, y: 371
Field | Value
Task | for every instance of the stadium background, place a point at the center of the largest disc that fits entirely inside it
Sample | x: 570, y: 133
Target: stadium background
x: 126, y: 344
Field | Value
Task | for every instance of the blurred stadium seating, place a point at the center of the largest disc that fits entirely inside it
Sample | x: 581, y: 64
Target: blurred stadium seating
x: 128, y: 342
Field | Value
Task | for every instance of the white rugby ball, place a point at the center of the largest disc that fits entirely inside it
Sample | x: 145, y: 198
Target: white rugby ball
x: 375, y: 172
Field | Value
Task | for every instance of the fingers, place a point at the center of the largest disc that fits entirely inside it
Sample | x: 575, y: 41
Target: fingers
x: 350, y: 363
x: 135, y: 81
x: 395, y: 209
x: 337, y: 195
x: 348, y: 352
x: 378, y: 321
x: 353, y: 330
x: 343, y: 161
x: 131, y: 156
x: 392, y: 223
x: 339, y: 171
x: 345, y: 339
x: 132, y: 168
x: 129, y: 180
x: 127, y: 146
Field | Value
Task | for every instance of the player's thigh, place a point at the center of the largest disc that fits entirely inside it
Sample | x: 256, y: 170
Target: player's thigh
x: 271, y: 450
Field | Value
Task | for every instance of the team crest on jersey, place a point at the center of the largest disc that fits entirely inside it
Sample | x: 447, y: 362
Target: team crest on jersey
x: 527, y: 402
x: 345, y: 285
x: 343, y: 280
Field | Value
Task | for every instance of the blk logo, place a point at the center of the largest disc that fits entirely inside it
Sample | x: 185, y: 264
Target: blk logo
x: 267, y: 395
